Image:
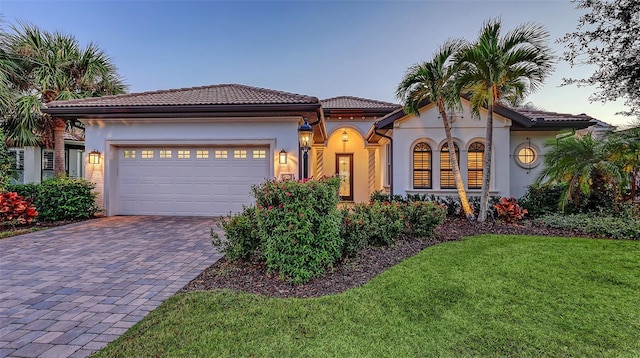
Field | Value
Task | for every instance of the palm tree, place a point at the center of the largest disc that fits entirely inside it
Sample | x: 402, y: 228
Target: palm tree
x: 52, y: 66
x: 585, y: 164
x: 624, y: 149
x: 434, y: 81
x: 495, y: 69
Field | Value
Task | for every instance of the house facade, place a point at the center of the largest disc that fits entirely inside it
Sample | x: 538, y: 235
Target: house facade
x: 35, y: 164
x: 198, y: 151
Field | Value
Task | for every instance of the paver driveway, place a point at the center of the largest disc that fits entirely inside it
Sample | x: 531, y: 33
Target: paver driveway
x: 68, y: 291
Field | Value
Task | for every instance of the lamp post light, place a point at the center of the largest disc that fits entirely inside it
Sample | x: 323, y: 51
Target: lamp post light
x: 305, y: 134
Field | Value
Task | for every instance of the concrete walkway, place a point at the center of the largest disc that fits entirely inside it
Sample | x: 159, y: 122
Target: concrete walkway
x: 68, y: 291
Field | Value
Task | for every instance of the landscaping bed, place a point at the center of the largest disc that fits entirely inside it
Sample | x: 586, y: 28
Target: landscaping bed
x: 7, y: 230
x: 252, y: 276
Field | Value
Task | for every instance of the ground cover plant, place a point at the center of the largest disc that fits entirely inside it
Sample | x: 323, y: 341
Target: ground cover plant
x: 492, y: 295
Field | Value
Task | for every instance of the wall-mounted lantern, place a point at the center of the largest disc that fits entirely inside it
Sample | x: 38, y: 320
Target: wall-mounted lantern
x: 282, y: 159
x: 94, y: 157
x: 345, y: 136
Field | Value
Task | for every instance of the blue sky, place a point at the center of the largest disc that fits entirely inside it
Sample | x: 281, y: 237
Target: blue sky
x: 318, y: 48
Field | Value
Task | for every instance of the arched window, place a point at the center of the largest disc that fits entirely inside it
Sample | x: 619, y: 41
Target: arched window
x: 475, y: 157
x: 422, y: 166
x: 446, y: 170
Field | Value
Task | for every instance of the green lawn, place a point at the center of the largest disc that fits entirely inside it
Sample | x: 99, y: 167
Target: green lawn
x: 484, y: 296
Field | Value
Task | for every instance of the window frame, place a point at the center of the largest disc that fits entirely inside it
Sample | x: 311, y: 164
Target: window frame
x: 444, y: 149
x: 478, y: 170
x: 536, y: 152
x: 429, y: 166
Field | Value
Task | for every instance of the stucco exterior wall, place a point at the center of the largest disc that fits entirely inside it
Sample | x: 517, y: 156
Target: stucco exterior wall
x: 523, y: 176
x: 106, y: 136
x: 465, y: 130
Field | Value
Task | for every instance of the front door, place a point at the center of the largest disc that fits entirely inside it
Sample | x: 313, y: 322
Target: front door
x: 344, y: 168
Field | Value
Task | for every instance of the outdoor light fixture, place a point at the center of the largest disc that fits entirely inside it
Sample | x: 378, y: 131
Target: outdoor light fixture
x: 283, y: 157
x: 94, y: 157
x: 305, y: 134
x: 345, y: 136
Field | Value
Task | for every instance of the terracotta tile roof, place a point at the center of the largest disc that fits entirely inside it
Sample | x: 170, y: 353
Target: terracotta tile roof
x: 537, y: 115
x: 222, y: 94
x: 349, y: 102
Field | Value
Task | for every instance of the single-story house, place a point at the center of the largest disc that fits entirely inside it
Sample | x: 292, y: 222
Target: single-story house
x: 35, y: 164
x: 197, y: 151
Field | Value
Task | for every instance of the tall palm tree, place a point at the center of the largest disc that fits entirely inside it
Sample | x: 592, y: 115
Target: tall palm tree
x: 434, y: 81
x: 53, y: 66
x: 495, y: 69
x: 585, y: 164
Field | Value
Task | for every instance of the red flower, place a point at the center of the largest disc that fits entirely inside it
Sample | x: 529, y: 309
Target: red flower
x: 288, y: 194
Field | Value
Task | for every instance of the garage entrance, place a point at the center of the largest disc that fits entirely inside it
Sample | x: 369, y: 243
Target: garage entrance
x: 188, y: 181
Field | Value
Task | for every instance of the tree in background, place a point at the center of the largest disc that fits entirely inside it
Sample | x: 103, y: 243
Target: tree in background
x: 495, y: 69
x: 590, y: 168
x: 433, y: 81
x: 6, y: 172
x: 49, y: 66
x: 608, y: 37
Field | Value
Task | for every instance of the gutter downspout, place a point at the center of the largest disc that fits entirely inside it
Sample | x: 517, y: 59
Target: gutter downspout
x: 375, y: 130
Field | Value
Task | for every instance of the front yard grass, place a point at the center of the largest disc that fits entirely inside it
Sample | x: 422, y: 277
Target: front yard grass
x: 488, y: 295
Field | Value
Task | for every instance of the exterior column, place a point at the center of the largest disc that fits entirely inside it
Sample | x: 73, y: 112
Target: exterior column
x: 372, y: 169
x: 319, y: 162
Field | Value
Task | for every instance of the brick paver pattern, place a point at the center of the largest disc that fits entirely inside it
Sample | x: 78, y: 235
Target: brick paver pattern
x: 68, y: 291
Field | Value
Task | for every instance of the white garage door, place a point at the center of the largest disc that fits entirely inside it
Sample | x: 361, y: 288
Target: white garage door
x: 207, y: 181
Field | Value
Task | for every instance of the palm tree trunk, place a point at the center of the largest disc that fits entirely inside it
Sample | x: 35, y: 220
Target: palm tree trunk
x: 58, y: 147
x: 462, y: 193
x: 486, y: 166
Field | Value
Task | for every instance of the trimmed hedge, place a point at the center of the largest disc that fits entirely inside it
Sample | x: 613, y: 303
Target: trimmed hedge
x: 60, y: 198
x: 297, y: 229
x: 294, y: 227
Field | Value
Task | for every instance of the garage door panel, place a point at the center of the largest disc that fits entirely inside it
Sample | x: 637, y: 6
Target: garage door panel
x: 185, y: 184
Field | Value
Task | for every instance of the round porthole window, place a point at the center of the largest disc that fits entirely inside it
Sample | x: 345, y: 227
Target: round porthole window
x: 526, y: 155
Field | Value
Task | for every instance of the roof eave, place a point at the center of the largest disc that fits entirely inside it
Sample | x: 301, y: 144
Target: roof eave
x: 173, y: 110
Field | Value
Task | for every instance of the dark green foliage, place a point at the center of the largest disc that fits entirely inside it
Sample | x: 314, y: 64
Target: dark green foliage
x: 299, y: 225
x: 620, y: 227
x: 295, y: 226
x: 5, y: 163
x: 355, y: 228
x: 60, y: 198
x: 451, y: 203
x: 241, y: 233
x: 381, y: 223
x: 422, y: 218
x: 387, y: 222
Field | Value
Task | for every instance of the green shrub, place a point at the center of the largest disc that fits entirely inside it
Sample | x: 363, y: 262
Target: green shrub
x: 386, y: 223
x: 621, y: 227
x: 355, y: 229
x: 29, y: 191
x: 295, y: 225
x: 60, y: 198
x: 422, y: 218
x: 241, y: 232
x: 299, y: 224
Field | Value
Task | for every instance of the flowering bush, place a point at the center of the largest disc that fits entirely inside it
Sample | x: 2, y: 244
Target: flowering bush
x: 508, y: 210
x: 299, y: 223
x: 422, y: 218
x: 355, y: 229
x: 14, y: 208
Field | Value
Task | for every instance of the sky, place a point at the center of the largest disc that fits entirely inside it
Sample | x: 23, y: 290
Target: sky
x: 318, y: 48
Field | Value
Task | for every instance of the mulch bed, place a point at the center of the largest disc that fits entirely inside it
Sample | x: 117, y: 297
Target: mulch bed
x: 252, y: 276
